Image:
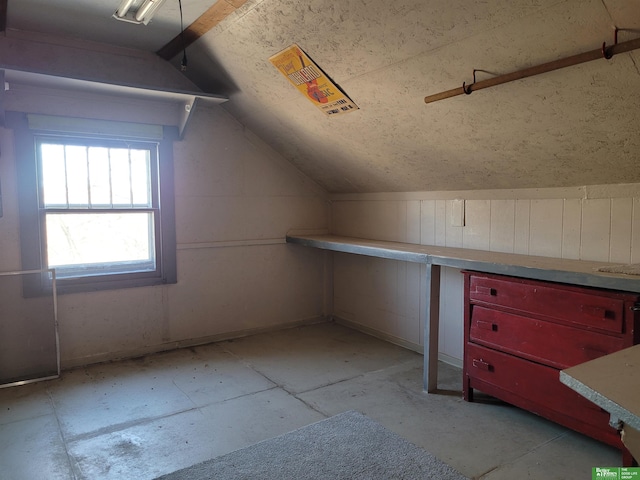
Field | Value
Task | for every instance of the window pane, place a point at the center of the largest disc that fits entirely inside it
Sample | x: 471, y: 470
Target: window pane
x: 78, y: 188
x: 53, y: 175
x: 141, y: 177
x: 101, y: 238
x: 99, y: 179
x: 120, y: 178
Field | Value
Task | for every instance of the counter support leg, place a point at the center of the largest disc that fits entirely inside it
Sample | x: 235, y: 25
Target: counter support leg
x: 431, y: 324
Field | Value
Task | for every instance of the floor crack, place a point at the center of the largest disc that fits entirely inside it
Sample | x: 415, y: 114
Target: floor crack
x: 73, y: 467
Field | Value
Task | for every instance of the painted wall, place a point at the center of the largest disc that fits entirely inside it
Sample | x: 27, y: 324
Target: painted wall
x: 235, y: 201
x: 385, y: 296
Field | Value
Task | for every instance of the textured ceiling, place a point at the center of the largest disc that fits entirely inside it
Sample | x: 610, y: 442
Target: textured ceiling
x: 575, y: 126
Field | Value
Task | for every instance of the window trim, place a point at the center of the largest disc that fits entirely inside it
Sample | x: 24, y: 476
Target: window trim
x: 32, y: 222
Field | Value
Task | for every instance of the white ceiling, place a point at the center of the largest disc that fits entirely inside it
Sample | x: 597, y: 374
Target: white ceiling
x: 575, y: 126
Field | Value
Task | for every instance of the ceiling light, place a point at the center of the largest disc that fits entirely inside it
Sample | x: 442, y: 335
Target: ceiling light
x: 123, y: 8
x: 137, y: 11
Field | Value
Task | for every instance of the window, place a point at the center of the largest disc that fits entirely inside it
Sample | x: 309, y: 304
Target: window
x: 100, y: 207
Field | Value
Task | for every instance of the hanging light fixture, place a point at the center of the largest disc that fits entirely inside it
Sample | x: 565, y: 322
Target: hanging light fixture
x: 137, y: 11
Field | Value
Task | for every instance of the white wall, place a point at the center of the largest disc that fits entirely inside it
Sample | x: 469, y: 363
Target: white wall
x: 235, y: 201
x: 600, y: 223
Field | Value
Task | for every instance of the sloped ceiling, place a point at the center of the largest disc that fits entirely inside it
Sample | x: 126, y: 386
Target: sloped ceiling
x: 575, y: 126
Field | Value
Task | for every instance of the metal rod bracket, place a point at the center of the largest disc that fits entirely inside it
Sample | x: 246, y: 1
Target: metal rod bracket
x: 606, y: 52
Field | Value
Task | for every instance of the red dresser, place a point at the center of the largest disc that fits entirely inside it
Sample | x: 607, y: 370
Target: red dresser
x: 520, y: 333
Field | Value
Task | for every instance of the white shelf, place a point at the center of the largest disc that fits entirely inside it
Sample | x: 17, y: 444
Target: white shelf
x: 188, y: 99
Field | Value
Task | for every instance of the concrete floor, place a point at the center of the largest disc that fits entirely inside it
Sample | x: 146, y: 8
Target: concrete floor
x: 141, y: 418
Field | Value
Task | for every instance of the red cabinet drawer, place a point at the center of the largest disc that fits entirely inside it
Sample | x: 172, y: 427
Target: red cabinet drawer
x: 519, y: 333
x: 553, y: 344
x: 531, y: 386
x: 574, y: 305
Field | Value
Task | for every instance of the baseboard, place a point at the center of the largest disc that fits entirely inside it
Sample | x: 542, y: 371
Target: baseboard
x: 456, y: 362
x: 381, y: 335
x: 193, y: 342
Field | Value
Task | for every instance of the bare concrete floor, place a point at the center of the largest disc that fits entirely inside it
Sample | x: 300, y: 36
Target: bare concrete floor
x: 141, y: 418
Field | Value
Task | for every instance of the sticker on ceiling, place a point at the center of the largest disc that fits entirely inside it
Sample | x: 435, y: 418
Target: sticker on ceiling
x: 311, y: 81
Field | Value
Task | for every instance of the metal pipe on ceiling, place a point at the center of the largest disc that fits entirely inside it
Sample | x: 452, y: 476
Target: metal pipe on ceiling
x: 604, y: 52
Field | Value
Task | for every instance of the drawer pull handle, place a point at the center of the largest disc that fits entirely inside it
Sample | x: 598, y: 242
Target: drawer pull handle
x: 482, y: 365
x: 596, y: 311
x: 486, y: 290
x: 487, y: 325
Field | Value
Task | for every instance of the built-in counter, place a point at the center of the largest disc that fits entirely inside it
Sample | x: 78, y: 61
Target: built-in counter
x: 575, y: 272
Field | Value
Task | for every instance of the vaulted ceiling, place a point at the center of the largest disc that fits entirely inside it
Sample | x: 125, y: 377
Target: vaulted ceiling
x: 574, y: 126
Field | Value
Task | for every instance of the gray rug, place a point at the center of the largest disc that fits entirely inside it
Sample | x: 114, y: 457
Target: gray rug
x: 346, y: 446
